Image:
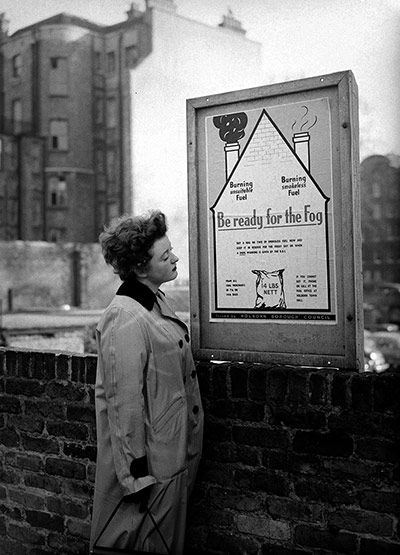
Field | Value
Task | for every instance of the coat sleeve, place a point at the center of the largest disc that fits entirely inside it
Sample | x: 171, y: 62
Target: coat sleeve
x: 124, y: 351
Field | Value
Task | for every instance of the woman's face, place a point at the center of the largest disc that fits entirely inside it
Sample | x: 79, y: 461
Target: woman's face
x: 162, y: 265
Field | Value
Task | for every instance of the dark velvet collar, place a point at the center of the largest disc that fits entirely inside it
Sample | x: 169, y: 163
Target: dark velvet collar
x: 138, y: 291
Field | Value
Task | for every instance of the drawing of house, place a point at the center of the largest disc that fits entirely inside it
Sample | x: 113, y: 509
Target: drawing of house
x: 271, y: 214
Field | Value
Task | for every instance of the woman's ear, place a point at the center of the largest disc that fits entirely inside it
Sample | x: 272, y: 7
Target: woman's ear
x: 140, y: 270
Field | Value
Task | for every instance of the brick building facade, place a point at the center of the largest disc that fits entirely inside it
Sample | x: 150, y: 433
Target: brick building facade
x: 95, y: 95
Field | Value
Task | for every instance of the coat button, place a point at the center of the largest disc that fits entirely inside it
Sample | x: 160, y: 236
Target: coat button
x: 193, y: 374
x: 180, y: 343
x: 187, y: 338
x: 195, y: 409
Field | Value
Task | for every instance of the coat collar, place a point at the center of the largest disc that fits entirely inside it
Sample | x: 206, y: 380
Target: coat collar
x: 138, y: 291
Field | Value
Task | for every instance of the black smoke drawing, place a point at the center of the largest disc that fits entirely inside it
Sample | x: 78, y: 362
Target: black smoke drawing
x: 231, y: 130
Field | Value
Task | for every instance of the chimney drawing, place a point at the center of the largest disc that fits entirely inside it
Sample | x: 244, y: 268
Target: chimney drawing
x: 231, y: 130
x: 301, y: 143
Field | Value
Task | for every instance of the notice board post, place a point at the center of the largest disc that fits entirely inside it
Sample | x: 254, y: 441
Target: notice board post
x: 274, y: 224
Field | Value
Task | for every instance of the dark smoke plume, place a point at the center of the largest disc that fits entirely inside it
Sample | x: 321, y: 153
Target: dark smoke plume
x: 231, y: 126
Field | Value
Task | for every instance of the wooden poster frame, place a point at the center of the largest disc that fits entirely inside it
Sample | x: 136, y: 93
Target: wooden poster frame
x: 337, y: 343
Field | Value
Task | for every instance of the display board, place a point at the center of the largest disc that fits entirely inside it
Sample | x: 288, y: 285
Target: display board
x: 274, y: 223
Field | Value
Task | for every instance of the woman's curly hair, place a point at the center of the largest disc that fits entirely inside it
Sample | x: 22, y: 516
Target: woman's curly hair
x: 126, y: 242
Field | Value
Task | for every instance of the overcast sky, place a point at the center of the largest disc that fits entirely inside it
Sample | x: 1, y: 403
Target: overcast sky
x: 300, y: 38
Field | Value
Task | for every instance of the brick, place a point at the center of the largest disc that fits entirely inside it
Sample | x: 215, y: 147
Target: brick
x: 216, y: 473
x: 261, y: 480
x: 387, y: 393
x: 257, y: 383
x: 91, y: 366
x: 72, y: 430
x: 66, y: 468
x: 9, y: 476
x: 277, y: 383
x: 9, y: 437
x: 69, y: 507
x: 204, y: 377
x: 80, y: 452
x: 220, y: 381
x: 378, y: 450
x: 369, y: 546
x: 51, y: 410
x: 218, y: 431
x: 380, y: 501
x: 361, y: 394
x: 40, y: 519
x: 65, y: 391
x: 25, y: 534
x: 264, y: 437
x: 298, y: 390
x: 264, y: 527
x: 22, y: 460
x: 226, y: 542
x: 246, y: 455
x: 356, y: 423
x: 362, y: 522
x: 27, y: 423
x: 28, y: 388
x: 250, y: 411
x: 43, y: 366
x: 75, y: 488
x: 78, y: 369
x: 221, y: 408
x: 11, y: 362
x: 311, y: 536
x: 334, y: 493
x: 294, y: 510
x: 81, y: 414
x: 10, y: 547
x: 228, y: 498
x: 333, y: 444
x: 27, y: 499
x: 10, y: 405
x: 304, y: 419
x: 40, y: 444
x: 340, y: 392
x: 43, y: 482
x: 62, y: 367
x: 78, y: 528
x: 318, y: 388
x: 65, y: 544
x: 239, y: 379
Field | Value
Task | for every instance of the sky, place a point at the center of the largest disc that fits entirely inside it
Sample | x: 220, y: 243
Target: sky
x: 300, y: 38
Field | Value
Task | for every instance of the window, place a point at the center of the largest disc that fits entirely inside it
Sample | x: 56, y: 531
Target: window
x: 110, y: 62
x: 99, y: 160
x: 17, y: 115
x: 55, y: 235
x: 111, y: 165
x: 131, y: 55
x: 111, y: 110
x: 58, y: 135
x: 98, y: 108
x: 16, y: 65
x: 57, y: 193
x: 58, y: 76
x: 98, y: 61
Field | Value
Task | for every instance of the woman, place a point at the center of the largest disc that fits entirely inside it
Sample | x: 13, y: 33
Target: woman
x: 148, y: 408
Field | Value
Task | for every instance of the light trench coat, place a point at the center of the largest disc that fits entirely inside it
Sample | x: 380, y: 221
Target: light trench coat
x: 147, y: 405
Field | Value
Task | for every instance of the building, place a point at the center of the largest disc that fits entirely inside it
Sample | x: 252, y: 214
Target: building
x: 107, y: 106
x: 380, y: 219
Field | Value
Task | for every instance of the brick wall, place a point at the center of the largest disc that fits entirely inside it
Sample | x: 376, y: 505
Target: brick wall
x: 296, y: 461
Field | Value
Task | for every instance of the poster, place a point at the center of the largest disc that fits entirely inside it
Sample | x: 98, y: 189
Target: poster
x: 270, y: 217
